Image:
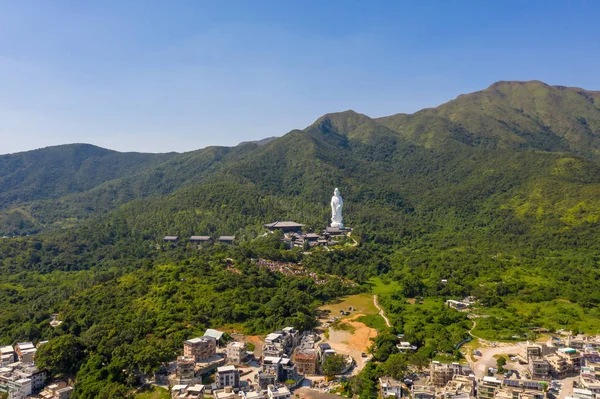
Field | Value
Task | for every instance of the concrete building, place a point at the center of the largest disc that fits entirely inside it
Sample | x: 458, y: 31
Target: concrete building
x: 390, y: 388
x: 306, y: 361
x: 25, y: 351
x: 201, y: 348
x: 236, y: 352
x: 183, y: 391
x: 558, y: 366
x: 442, y: 373
x: 487, y: 387
x: 264, y: 379
x: 324, y: 350
x: 228, y: 376
x: 186, y: 367
x: 283, y: 368
x: 538, y: 368
x: 7, y: 356
x: 58, y: 390
x: 19, y: 388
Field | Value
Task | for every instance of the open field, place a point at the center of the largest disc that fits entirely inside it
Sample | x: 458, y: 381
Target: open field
x: 380, y: 288
x: 153, y: 392
x: 363, y: 303
x: 352, y: 337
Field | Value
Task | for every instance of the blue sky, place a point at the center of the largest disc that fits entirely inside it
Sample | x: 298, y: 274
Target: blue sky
x: 162, y: 76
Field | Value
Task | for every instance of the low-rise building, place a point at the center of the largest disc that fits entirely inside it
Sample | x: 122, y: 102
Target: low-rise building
x: 538, y: 367
x: 186, y: 367
x: 306, y: 361
x: 236, y: 352
x: 183, y: 391
x: 282, y: 367
x: 228, y: 376
x: 25, y: 351
x: 441, y: 373
x: 487, y: 387
x: 7, y: 354
x: 389, y: 387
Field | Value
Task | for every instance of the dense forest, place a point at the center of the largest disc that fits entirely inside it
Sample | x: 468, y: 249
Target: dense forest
x: 496, y: 192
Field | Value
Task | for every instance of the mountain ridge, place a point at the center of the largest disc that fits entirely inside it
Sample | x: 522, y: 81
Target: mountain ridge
x: 500, y: 121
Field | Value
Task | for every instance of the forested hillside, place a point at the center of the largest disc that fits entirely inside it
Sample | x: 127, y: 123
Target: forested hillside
x: 497, y: 192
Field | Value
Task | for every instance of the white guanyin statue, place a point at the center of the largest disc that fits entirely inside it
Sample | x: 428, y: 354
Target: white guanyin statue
x: 337, y: 203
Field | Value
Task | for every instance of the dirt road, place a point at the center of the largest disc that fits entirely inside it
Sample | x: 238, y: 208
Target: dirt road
x: 381, y: 312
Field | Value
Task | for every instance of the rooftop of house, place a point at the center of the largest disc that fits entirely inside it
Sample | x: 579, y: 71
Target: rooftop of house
x: 213, y: 333
x: 199, y: 238
x: 25, y: 345
x: 273, y: 336
x: 226, y: 369
x: 200, y: 339
x: 6, y: 349
x: 283, y: 224
x: 171, y: 238
x: 226, y: 238
x: 236, y: 344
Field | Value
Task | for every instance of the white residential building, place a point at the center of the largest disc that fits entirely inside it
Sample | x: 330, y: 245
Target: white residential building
x: 236, y: 352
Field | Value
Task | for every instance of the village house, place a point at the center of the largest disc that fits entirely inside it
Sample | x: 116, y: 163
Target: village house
x: 58, y: 390
x: 201, y: 348
x: 227, y: 376
x: 170, y: 239
x: 282, y: 367
x: 7, y: 354
x: 441, y: 373
x: 306, y: 361
x: 538, y: 367
x: 389, y: 387
x: 186, y: 367
x: 236, y: 352
x: 25, y: 351
x: 183, y: 391
x: 325, y: 350
x: 486, y: 389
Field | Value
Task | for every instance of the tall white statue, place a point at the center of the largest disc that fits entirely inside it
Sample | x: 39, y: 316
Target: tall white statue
x: 337, y: 203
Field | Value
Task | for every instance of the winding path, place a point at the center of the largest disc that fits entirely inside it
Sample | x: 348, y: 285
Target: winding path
x: 381, y: 312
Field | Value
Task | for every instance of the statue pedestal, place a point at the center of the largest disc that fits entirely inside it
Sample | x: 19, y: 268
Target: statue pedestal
x: 339, y: 225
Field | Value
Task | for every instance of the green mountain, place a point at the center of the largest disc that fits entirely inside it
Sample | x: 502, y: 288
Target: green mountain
x: 496, y: 193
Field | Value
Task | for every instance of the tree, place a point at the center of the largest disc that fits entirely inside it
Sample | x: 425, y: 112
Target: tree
x: 60, y: 355
x: 501, y: 362
x: 420, y: 360
x: 396, y: 366
x: 333, y: 365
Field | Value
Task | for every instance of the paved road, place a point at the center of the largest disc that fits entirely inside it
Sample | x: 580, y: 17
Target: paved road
x: 387, y: 321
